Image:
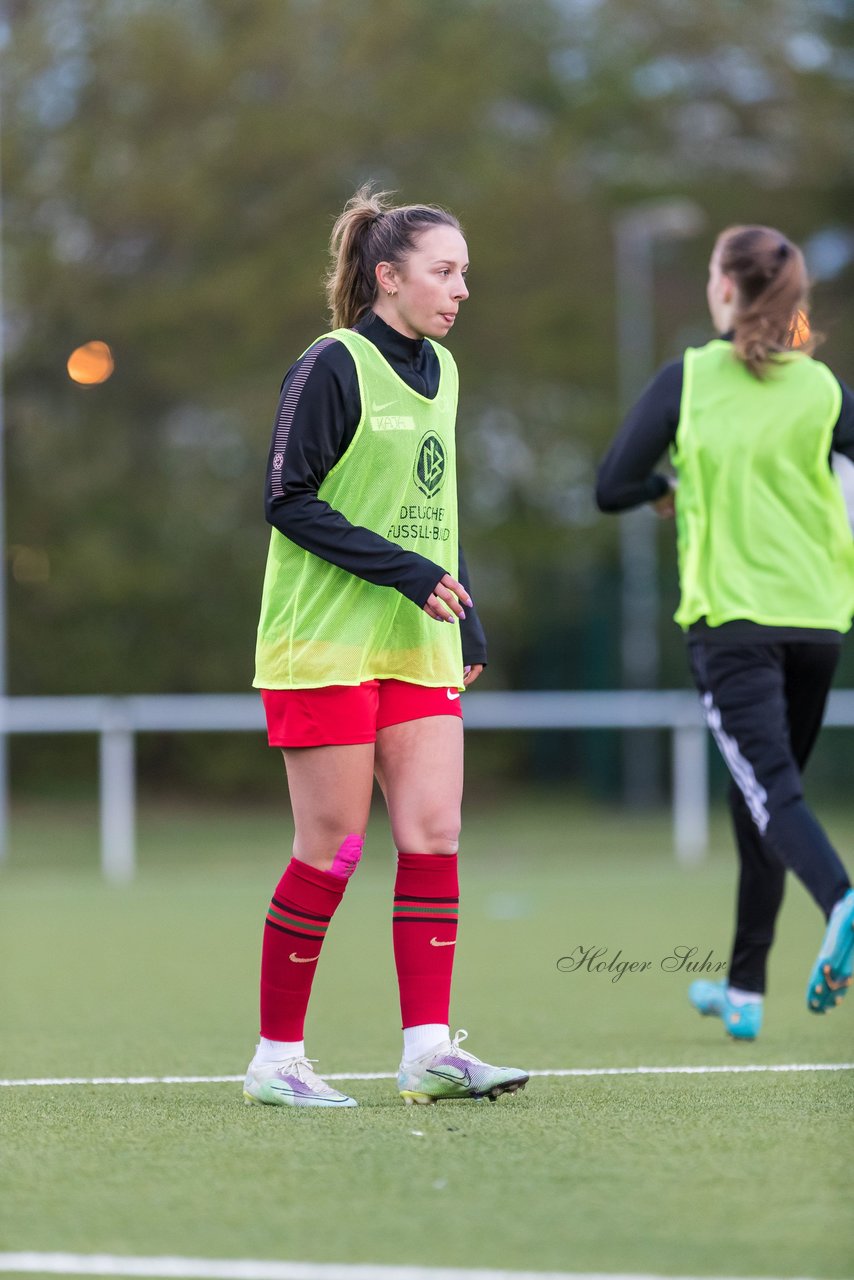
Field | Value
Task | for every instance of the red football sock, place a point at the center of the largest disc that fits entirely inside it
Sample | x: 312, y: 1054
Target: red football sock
x: 297, y: 920
x: 424, y: 931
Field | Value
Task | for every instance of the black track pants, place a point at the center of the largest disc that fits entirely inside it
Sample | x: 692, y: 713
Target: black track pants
x: 764, y: 705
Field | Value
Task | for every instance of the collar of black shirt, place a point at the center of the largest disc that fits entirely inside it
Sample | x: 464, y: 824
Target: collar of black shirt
x: 394, y: 345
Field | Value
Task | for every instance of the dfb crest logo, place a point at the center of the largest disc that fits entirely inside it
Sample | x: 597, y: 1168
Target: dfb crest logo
x: 430, y: 465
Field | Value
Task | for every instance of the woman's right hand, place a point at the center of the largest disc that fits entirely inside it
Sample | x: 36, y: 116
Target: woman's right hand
x: 665, y: 506
x: 444, y: 602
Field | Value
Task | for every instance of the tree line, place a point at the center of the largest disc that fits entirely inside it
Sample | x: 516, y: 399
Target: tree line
x: 170, y: 175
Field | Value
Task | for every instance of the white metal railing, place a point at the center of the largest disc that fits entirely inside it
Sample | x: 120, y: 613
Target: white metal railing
x: 117, y: 720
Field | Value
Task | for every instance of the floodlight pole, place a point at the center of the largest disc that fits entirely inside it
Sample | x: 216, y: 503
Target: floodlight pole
x: 636, y: 231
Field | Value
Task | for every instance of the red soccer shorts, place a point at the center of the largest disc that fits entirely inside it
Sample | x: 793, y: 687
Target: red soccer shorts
x: 342, y: 714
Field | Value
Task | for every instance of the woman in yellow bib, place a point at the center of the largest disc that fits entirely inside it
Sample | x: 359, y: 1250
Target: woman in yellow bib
x: 766, y: 567
x: 367, y: 637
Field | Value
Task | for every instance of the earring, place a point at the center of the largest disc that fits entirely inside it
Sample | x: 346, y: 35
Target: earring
x: 391, y: 292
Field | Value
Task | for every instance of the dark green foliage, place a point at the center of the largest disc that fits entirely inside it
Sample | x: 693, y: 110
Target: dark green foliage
x: 171, y: 172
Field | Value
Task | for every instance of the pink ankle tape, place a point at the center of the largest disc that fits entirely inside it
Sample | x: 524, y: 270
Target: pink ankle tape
x: 347, y: 857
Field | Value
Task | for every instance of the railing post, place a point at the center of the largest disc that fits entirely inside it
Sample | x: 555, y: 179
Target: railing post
x: 690, y: 793
x: 4, y: 789
x: 118, y: 793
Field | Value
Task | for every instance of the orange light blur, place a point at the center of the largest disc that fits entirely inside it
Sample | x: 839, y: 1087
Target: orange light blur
x: 800, y: 329
x: 90, y: 364
x: 30, y: 565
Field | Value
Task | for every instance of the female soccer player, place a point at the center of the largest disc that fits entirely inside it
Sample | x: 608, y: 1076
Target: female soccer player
x: 367, y: 636
x: 766, y: 564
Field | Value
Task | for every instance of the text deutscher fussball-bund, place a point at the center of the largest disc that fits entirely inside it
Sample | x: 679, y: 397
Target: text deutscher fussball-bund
x: 416, y: 522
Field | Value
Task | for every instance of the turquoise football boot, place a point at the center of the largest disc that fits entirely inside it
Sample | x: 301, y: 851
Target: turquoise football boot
x: 831, y: 974
x: 742, y: 1022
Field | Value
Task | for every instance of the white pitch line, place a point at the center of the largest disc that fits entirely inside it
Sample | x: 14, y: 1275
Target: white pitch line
x: 106, y: 1264
x: 381, y: 1075
x: 692, y: 1071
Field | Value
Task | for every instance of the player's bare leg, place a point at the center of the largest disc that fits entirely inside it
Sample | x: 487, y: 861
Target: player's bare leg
x: 419, y: 765
x: 330, y: 790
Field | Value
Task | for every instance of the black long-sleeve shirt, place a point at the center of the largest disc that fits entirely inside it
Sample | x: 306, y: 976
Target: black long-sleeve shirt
x: 627, y: 476
x: 320, y: 407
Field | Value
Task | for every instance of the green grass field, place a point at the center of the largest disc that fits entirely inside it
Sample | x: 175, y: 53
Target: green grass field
x: 693, y: 1174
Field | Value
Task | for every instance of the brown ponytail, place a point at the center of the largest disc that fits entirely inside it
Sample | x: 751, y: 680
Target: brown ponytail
x: 770, y: 276
x: 369, y: 231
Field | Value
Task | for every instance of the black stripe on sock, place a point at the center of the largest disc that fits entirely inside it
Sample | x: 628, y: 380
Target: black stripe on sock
x: 405, y: 897
x: 306, y: 937
x: 284, y: 905
x: 424, y: 920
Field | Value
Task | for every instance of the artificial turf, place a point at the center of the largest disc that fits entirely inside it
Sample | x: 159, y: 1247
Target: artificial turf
x: 698, y: 1174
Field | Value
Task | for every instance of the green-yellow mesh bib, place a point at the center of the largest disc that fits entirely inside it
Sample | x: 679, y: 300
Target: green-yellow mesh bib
x: 319, y: 624
x: 762, y: 530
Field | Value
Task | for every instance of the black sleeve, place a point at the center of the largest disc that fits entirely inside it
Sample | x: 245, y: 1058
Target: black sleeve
x: 319, y: 410
x: 626, y: 477
x: 843, y: 432
x: 471, y: 628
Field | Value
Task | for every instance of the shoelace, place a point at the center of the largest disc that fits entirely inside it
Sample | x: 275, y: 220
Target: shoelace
x: 301, y: 1068
x: 455, y: 1045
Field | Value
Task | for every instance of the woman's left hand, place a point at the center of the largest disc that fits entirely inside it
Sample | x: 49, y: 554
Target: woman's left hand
x: 470, y: 674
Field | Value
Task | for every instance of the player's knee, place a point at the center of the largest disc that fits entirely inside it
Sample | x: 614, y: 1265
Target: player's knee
x: 443, y: 838
x: 427, y: 836
x: 787, y: 795
x: 327, y: 848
